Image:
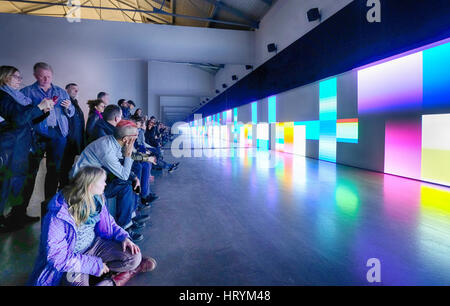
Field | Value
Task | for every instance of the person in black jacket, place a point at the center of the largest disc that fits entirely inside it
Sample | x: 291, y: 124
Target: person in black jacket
x: 152, y: 137
x: 16, y: 140
x: 96, y: 108
x: 76, y: 139
x: 106, y: 126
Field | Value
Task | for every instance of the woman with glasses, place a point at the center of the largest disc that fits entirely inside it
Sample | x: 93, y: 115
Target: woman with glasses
x: 17, y: 116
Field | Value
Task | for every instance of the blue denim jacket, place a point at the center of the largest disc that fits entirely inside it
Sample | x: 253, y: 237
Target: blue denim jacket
x: 59, y: 113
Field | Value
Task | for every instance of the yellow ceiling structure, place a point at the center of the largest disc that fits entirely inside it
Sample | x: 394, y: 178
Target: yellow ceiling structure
x: 227, y: 14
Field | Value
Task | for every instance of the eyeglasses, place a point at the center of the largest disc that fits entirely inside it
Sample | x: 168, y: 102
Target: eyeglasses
x: 17, y: 77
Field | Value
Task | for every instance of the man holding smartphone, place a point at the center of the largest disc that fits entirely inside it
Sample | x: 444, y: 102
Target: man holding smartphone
x: 51, y: 132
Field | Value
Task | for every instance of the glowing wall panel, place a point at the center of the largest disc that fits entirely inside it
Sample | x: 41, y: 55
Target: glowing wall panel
x: 300, y: 140
x: 262, y: 135
x: 402, y: 152
x: 279, y: 137
x: 235, y: 114
x: 436, y: 148
x: 436, y: 76
x: 255, y: 112
x: 396, y: 85
x: 347, y: 130
x: 272, y: 108
x: 328, y: 117
x: 312, y: 129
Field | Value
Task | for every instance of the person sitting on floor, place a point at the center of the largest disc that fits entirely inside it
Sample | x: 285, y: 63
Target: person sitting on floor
x: 79, y: 238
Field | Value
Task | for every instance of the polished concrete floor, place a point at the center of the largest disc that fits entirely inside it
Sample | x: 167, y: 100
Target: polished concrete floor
x: 247, y: 217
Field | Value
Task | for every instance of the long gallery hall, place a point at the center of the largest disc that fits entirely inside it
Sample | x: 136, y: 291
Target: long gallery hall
x: 225, y: 143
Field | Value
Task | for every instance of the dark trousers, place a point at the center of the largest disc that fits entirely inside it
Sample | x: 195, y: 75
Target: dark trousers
x: 145, y: 179
x: 125, y: 200
x: 70, y: 152
x: 13, y: 174
x: 53, y: 146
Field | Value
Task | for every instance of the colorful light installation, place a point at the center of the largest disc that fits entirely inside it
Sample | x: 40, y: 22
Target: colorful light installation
x: 347, y: 130
x: 436, y: 149
x: 328, y: 117
x: 272, y: 109
x: 403, y: 145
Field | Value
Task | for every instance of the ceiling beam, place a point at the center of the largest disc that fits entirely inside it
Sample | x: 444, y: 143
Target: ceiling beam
x: 220, y: 5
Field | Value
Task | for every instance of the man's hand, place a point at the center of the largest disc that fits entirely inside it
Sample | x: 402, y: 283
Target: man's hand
x: 46, y: 105
x: 129, y: 145
x: 66, y: 104
x: 138, y: 183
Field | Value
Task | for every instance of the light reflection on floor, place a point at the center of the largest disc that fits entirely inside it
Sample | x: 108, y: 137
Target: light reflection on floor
x: 403, y: 222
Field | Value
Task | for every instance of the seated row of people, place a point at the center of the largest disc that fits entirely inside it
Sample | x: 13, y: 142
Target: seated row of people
x: 44, y: 120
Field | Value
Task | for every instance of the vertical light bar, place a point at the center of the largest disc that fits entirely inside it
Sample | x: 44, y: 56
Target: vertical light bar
x: 272, y: 105
x: 328, y: 117
x: 255, y: 112
x: 235, y: 117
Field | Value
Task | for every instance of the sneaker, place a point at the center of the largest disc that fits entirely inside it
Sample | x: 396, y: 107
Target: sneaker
x: 152, y: 197
x: 135, y: 237
x: 172, y: 168
x: 141, y: 218
x: 144, y: 206
x: 177, y: 164
x: 137, y: 225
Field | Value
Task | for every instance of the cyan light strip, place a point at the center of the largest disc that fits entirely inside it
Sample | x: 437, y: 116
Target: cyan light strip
x: 255, y: 112
x: 328, y: 117
x: 272, y: 105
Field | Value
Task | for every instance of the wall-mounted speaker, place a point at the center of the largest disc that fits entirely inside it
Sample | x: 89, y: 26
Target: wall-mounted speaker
x: 234, y: 77
x: 271, y: 47
x: 313, y: 14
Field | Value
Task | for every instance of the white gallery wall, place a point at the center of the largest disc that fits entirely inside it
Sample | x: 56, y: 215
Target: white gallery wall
x: 113, y: 56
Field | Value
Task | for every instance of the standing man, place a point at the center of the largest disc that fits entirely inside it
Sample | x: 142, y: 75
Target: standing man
x: 52, y: 132
x: 76, y: 139
x: 126, y: 114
